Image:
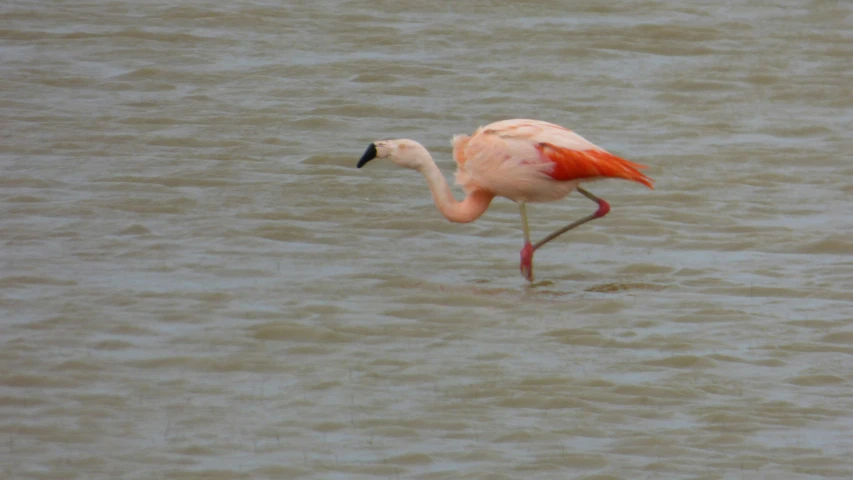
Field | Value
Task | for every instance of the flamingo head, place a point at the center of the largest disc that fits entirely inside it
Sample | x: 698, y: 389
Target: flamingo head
x: 405, y: 153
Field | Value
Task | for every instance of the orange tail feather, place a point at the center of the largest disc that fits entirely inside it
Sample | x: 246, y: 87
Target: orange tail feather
x: 588, y: 164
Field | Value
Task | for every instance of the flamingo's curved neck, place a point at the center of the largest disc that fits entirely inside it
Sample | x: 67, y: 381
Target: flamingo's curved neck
x: 465, y: 211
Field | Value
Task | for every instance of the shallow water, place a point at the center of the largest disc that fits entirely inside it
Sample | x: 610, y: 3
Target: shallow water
x: 197, y: 282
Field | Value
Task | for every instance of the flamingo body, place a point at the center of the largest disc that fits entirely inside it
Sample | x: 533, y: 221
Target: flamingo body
x: 534, y: 161
x: 520, y: 159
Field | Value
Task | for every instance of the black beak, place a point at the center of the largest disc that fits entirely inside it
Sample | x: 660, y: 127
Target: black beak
x: 369, y: 155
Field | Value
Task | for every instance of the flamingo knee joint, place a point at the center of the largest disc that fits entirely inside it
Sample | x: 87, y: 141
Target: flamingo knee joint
x: 603, y: 208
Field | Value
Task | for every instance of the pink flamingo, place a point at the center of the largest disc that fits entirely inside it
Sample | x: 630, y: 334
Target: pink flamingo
x: 523, y: 160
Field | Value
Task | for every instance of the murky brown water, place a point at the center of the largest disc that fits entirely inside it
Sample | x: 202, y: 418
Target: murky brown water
x: 197, y: 282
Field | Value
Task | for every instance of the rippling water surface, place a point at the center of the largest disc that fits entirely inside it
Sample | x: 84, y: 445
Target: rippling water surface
x: 197, y: 282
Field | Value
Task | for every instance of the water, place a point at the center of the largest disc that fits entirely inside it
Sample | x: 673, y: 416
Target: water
x: 197, y: 282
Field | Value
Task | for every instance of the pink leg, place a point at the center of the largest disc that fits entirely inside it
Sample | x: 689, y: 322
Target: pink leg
x: 603, y: 209
x: 527, y: 251
x: 527, y: 262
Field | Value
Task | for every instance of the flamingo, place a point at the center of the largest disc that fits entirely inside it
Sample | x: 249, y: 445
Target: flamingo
x: 520, y: 159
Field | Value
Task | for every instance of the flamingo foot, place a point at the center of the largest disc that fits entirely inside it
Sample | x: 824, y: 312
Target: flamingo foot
x: 527, y: 262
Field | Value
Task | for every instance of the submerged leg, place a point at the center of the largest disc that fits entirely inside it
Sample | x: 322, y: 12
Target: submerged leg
x: 527, y: 250
x: 603, y: 208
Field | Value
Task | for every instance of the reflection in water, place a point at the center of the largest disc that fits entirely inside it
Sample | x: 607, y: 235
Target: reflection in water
x: 617, y: 287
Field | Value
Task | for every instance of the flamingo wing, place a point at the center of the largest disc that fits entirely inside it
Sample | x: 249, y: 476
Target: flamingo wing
x: 573, y: 157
